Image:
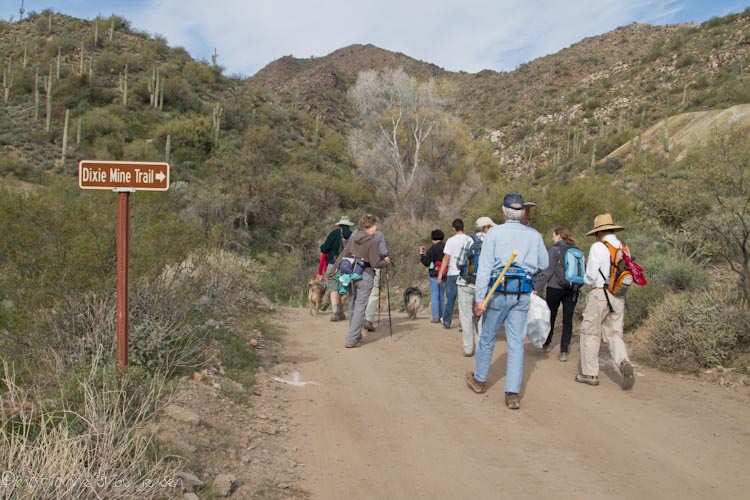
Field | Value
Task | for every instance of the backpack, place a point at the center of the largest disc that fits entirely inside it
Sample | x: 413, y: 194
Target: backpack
x: 342, y: 245
x: 620, y: 276
x: 571, y: 268
x: 468, y: 268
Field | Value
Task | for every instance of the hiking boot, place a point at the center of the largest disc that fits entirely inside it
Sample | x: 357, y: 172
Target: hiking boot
x: 474, y: 384
x: 335, y: 317
x: 587, y: 379
x: 512, y: 401
x: 435, y: 320
x: 563, y: 357
x: 356, y: 344
x: 369, y: 326
x: 547, y: 348
x: 628, y: 375
x: 324, y: 306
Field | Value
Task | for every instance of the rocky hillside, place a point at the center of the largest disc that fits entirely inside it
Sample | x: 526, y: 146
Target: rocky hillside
x: 318, y: 85
x: 561, y: 111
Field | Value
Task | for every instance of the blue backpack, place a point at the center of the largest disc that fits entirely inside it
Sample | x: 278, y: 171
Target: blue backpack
x: 571, y: 268
x: 468, y: 268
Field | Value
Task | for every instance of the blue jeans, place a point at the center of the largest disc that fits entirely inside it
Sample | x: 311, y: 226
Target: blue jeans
x: 451, y: 291
x: 511, y: 311
x: 437, y: 297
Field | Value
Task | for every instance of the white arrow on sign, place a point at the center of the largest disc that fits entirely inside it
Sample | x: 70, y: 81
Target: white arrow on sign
x: 160, y: 176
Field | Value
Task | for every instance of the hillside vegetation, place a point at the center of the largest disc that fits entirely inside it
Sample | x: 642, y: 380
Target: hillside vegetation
x: 645, y: 122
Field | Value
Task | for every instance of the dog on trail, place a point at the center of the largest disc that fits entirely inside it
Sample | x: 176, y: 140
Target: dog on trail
x: 315, y: 294
x: 412, y: 301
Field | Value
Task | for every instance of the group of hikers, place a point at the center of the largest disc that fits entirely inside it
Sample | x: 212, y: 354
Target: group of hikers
x: 492, y: 275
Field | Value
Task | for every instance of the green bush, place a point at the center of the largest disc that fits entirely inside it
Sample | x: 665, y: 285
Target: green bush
x: 698, y: 330
x: 682, y: 275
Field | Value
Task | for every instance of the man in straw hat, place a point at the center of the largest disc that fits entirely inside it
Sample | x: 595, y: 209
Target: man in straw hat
x: 510, y: 307
x: 332, y: 247
x: 604, y: 312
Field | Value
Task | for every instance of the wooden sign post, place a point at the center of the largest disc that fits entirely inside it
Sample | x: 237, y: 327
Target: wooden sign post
x: 123, y: 178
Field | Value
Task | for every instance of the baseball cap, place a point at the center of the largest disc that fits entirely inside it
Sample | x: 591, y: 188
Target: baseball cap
x: 513, y: 201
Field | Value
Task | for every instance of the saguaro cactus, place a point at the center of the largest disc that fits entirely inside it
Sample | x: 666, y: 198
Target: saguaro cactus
x: 65, y: 136
x: 154, y: 86
x: 48, y: 89
x: 7, y: 82
x: 36, y: 95
x: 216, y: 118
x: 123, y: 85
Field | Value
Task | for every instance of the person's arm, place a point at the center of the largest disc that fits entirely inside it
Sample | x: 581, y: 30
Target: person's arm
x: 549, y: 271
x: 443, y: 267
x: 425, y: 257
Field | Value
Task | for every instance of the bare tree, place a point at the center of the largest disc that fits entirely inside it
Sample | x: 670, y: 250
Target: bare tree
x: 397, y: 116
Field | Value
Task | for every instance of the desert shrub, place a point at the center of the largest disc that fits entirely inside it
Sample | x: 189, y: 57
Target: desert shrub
x: 641, y: 301
x: 198, y: 74
x: 178, y: 94
x: 100, y: 122
x: 212, y: 283
x: 685, y: 61
x: 93, y: 445
x: 111, y: 62
x: 192, y: 139
x: 682, y: 274
x: 698, y: 330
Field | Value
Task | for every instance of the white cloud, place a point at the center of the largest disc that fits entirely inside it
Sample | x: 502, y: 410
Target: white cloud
x: 470, y: 35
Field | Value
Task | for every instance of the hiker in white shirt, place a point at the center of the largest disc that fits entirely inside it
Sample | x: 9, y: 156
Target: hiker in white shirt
x: 604, y: 314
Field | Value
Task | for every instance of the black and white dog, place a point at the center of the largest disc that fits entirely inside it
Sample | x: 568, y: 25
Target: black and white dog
x: 412, y: 301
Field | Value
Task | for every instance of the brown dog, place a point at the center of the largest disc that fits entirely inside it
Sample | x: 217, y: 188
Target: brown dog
x: 412, y: 301
x: 315, y: 295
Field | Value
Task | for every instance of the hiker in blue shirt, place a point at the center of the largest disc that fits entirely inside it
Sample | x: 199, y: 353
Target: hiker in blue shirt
x: 511, y: 308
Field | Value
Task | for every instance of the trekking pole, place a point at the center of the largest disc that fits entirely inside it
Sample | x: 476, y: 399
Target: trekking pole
x: 606, y: 295
x: 380, y: 283
x: 500, y: 279
x: 388, y: 297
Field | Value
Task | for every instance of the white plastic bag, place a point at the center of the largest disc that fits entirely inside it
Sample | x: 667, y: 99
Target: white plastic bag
x: 537, y: 328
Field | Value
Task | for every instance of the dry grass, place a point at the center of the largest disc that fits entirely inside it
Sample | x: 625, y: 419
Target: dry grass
x: 102, y: 449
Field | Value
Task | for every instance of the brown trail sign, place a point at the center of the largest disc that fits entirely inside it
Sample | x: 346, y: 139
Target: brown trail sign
x: 123, y: 177
x: 138, y: 175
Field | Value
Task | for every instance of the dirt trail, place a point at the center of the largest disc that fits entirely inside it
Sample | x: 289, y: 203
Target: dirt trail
x: 394, y: 420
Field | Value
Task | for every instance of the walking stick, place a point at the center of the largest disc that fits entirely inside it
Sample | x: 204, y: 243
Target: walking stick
x: 500, y: 279
x: 380, y: 283
x: 388, y: 297
x: 606, y: 295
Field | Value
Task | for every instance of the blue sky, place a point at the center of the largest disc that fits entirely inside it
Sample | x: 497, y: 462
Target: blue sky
x: 457, y: 35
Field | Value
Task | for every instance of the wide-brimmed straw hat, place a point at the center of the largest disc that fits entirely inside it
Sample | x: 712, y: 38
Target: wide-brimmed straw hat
x: 604, y: 222
x: 344, y: 221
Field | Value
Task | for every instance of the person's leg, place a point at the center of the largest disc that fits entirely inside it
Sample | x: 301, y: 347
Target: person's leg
x: 491, y: 321
x: 441, y: 299
x: 594, y: 315
x: 612, y: 328
x: 466, y: 317
x: 569, y: 306
x: 553, y: 298
x: 372, y: 304
x: 451, y: 291
x: 358, y: 302
x: 434, y: 298
x: 515, y: 332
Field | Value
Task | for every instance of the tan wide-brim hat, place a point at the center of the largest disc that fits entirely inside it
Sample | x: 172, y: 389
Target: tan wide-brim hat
x: 344, y: 221
x: 604, y: 222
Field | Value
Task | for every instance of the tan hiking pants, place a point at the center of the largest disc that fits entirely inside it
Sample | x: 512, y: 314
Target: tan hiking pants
x: 601, y: 324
